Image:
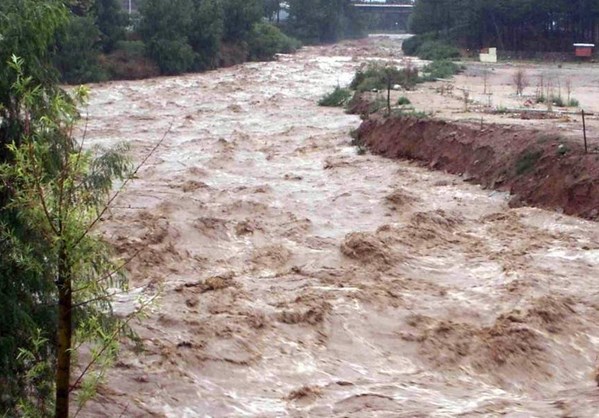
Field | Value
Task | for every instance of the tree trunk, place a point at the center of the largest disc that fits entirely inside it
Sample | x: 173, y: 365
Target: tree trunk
x: 64, y: 336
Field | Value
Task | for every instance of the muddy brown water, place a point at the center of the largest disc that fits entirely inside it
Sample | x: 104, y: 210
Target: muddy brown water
x: 301, y: 279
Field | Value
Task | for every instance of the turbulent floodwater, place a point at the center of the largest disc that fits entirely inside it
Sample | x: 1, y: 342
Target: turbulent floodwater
x: 301, y: 279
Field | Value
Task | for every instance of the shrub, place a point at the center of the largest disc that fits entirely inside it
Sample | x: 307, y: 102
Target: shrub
x: 377, y: 76
x: 403, y: 100
x: 172, y: 56
x: 133, y: 49
x: 266, y: 40
x: 558, y: 101
x: 429, y: 47
x: 437, y: 50
x: 441, y: 69
x: 527, y: 161
x: 411, y: 45
x: 520, y: 80
x: 337, y: 97
x: 573, y: 102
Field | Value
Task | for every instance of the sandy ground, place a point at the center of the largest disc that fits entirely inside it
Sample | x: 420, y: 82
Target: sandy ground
x: 492, y: 98
x: 301, y: 279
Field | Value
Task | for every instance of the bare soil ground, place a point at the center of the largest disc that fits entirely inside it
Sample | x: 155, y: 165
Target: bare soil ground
x: 492, y: 96
x: 301, y: 279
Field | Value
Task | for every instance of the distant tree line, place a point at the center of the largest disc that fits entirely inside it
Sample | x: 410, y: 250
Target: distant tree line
x: 519, y: 25
x: 102, y: 41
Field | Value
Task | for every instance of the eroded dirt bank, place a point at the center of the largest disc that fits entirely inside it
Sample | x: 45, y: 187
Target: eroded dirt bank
x: 539, y: 168
x: 302, y: 279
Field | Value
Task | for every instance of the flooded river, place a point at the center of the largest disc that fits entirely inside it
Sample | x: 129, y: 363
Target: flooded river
x: 301, y: 279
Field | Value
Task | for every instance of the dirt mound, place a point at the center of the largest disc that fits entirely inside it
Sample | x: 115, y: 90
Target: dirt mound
x: 538, y: 168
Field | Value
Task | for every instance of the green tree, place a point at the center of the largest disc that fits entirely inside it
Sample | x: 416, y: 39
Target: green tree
x: 529, y: 25
x: 206, y: 33
x: 265, y: 40
x: 25, y: 286
x: 59, y: 191
x: 239, y: 18
x: 54, y: 271
x: 78, y: 50
x: 111, y: 20
x: 272, y: 10
x: 165, y: 26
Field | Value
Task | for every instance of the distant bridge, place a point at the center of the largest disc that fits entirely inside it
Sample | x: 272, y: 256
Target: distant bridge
x: 385, y: 16
x: 383, y: 7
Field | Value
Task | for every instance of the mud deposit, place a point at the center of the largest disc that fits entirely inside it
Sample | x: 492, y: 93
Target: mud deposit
x: 301, y: 279
x: 539, y: 167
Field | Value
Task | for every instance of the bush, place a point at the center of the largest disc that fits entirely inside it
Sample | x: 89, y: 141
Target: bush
x: 337, y: 97
x: 441, y: 69
x: 437, y: 50
x: 377, y: 77
x: 266, y: 40
x: 403, y: 100
x: 172, y: 56
x: 411, y: 45
x: 429, y: 47
x: 560, y: 102
x: 527, y: 161
x: 133, y: 49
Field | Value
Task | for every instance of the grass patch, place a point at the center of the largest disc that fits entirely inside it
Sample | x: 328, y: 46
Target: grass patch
x: 549, y: 137
x: 337, y: 98
x: 527, y: 161
x: 409, y: 111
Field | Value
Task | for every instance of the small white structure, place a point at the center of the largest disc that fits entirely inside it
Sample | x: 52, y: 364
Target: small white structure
x: 488, y: 55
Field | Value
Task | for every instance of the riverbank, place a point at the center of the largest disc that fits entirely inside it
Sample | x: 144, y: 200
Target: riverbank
x: 537, y: 167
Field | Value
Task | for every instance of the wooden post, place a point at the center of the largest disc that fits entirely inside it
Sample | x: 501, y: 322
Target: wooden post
x: 388, y: 93
x: 584, y: 132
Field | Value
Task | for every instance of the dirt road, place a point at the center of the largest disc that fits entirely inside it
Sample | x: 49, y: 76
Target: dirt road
x: 301, y: 279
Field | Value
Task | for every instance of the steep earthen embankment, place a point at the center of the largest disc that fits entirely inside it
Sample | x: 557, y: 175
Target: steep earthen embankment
x: 539, y: 168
